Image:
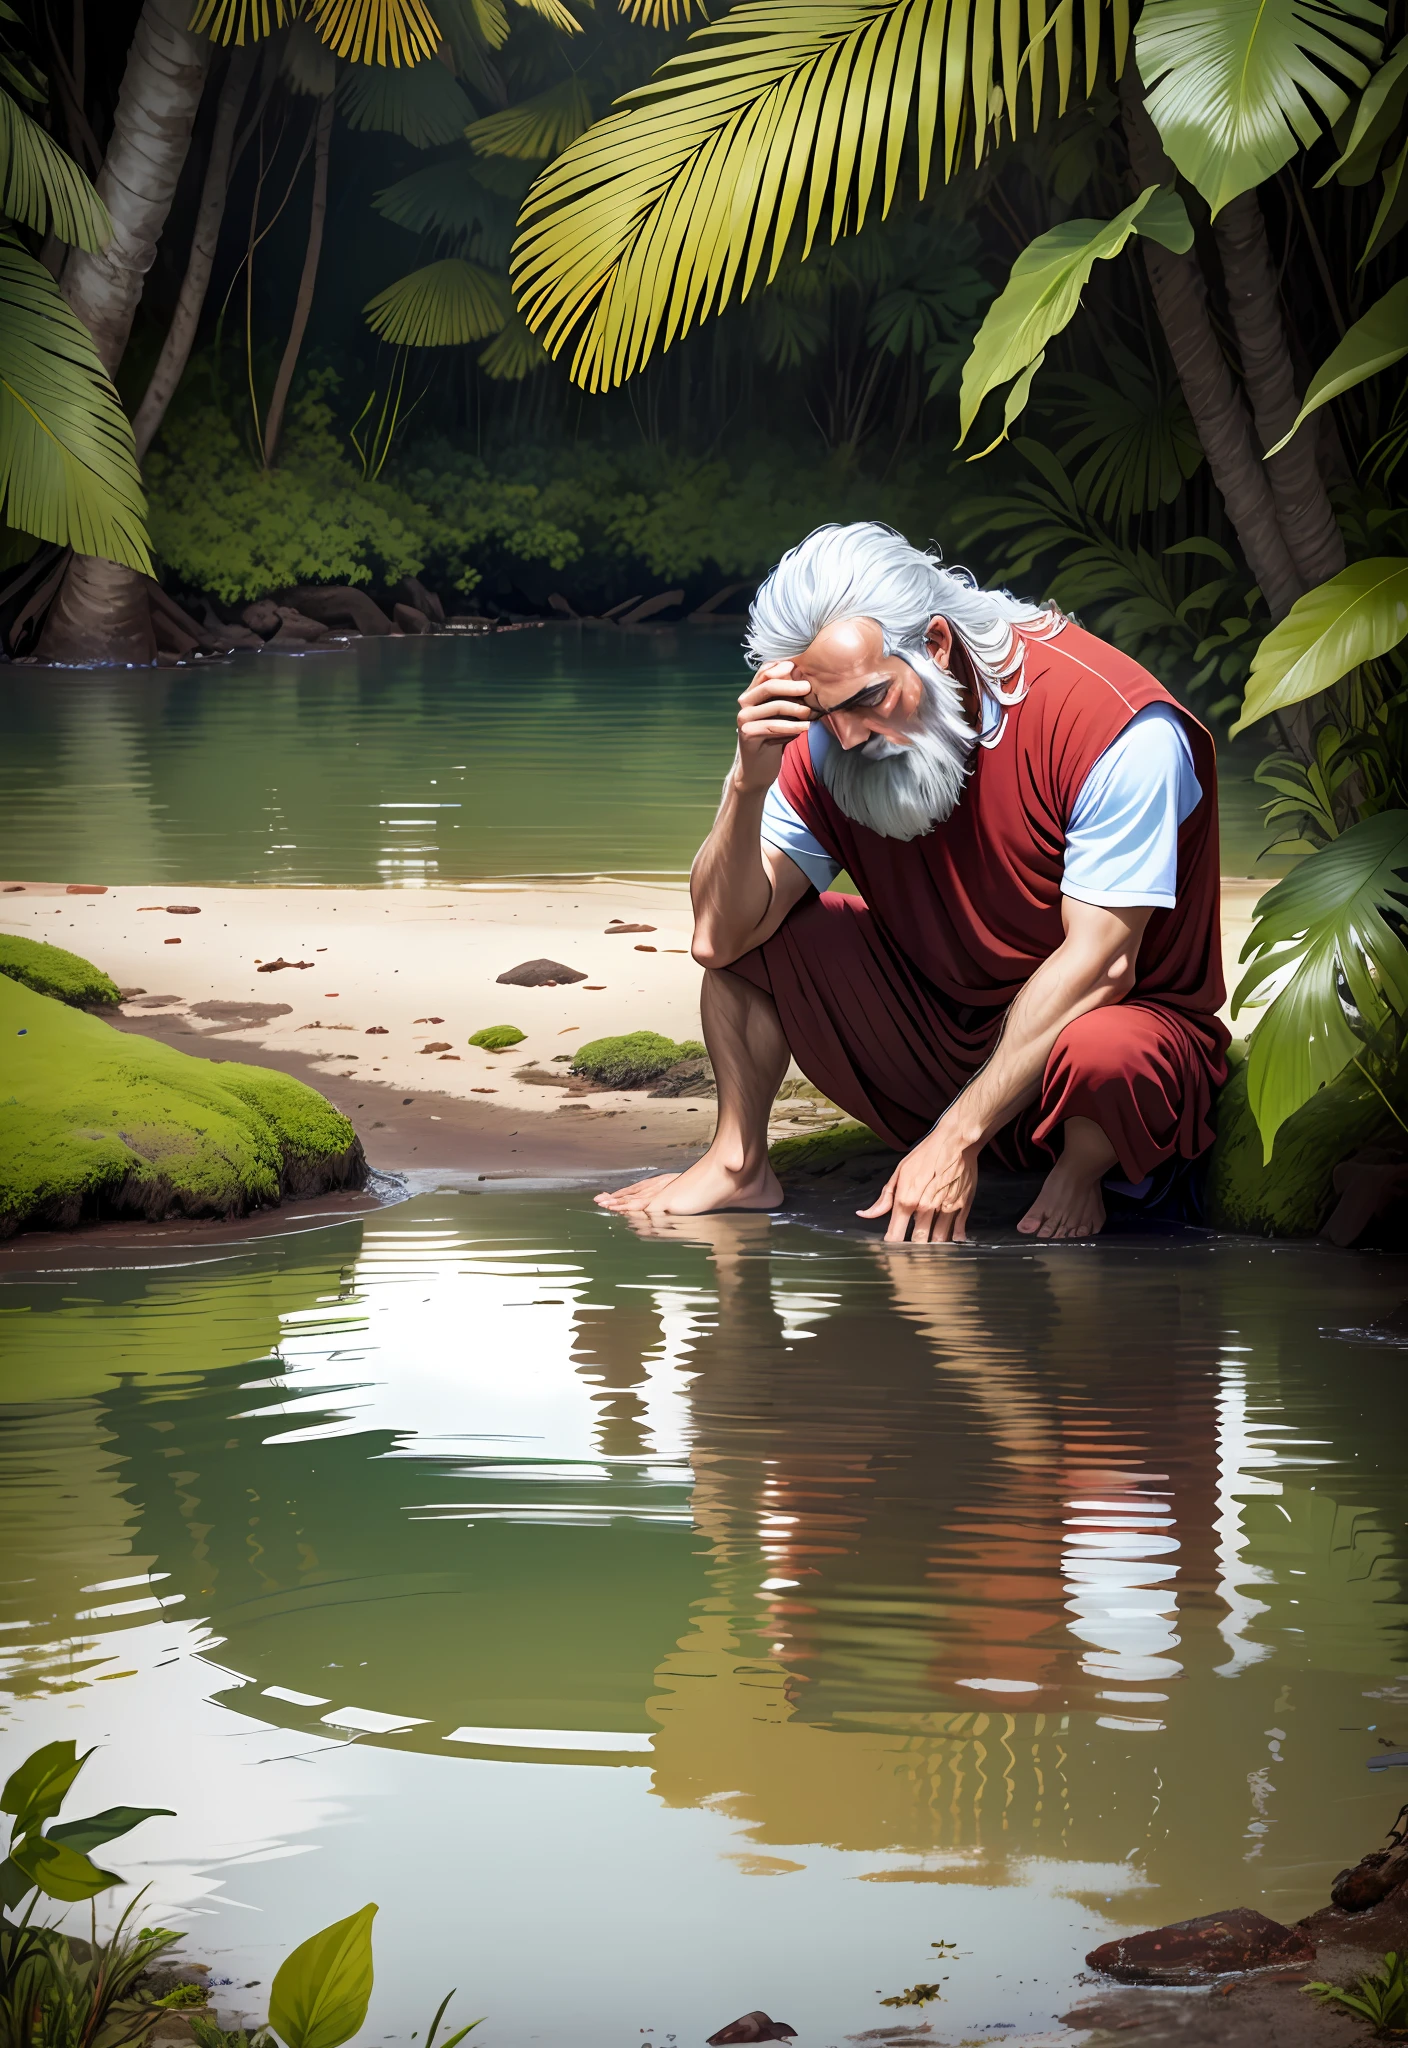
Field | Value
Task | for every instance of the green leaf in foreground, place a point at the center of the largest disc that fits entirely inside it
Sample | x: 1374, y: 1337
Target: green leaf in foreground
x: 1355, y: 617
x: 100, y: 1828
x: 320, y: 1993
x: 38, y: 1787
x: 1332, y: 926
x: 59, y: 1871
x: 1375, y: 342
x: 42, y: 186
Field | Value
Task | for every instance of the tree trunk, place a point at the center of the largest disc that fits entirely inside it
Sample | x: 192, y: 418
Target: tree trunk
x: 1224, y: 429
x: 1302, y: 502
x: 176, y: 349
x: 303, y: 305
x: 96, y: 613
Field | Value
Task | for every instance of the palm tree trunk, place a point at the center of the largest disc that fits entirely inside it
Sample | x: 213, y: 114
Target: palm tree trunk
x: 1302, y: 502
x: 303, y: 304
x: 181, y: 334
x: 1219, y: 414
x: 100, y: 610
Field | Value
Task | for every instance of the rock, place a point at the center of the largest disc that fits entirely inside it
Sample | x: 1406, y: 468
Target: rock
x: 376, y: 1031
x: 615, y: 928
x: 687, y: 1077
x: 233, y: 637
x: 84, y: 889
x: 300, y: 623
x: 540, y: 974
x: 409, y: 619
x: 262, y: 618
x: 1371, y: 1879
x: 754, y: 2026
x: 1193, y: 1951
x: 413, y: 592
x: 558, y: 603
x: 437, y: 1045
x: 183, y: 910
x: 338, y: 604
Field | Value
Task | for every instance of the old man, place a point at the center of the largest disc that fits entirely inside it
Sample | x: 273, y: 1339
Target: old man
x: 1032, y: 964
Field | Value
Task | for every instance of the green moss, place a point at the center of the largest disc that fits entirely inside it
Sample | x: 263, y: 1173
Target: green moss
x: 634, y: 1058
x: 1294, y: 1194
x: 98, y: 1122
x: 823, y: 1151
x: 498, y: 1037
x: 52, y: 972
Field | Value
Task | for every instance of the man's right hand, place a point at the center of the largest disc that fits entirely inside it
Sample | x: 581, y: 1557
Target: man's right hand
x: 770, y: 713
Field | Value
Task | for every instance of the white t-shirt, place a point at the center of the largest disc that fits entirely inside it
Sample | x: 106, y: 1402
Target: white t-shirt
x: 1122, y: 841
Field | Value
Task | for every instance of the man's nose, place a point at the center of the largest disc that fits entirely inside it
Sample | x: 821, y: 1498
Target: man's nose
x: 848, y: 729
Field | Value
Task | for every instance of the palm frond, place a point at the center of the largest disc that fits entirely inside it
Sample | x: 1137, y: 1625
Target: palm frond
x: 393, y: 32
x: 537, y: 127
x: 785, y: 113
x: 448, y: 200
x: 68, y: 470
x: 662, y: 13
x: 42, y: 187
x: 1327, y: 954
x: 307, y: 65
x: 553, y: 11
x: 1135, y: 435
x: 423, y: 104
x: 1375, y: 118
x: 442, y: 306
x: 1235, y: 89
x: 514, y: 353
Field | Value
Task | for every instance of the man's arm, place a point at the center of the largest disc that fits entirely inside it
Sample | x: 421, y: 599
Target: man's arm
x: 933, y: 1186
x: 743, y: 889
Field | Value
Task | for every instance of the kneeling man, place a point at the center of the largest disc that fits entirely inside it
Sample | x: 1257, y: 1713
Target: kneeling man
x: 1033, y: 962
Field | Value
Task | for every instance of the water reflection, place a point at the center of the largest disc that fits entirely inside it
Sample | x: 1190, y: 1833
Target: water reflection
x: 1065, y: 1570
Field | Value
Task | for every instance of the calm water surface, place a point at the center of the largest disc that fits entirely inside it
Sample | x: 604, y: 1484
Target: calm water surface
x: 663, y: 1626
x: 552, y: 751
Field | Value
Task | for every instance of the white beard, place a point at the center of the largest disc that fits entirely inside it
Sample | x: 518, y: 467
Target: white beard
x: 902, y: 792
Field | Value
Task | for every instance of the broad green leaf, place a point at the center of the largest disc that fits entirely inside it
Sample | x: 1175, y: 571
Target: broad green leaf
x: 786, y: 115
x: 68, y: 471
x: 36, y: 1791
x: 42, y: 187
x: 1376, y: 116
x: 13, y: 1884
x: 98, y: 1828
x: 1039, y: 299
x: 1355, y: 617
x: 1333, y: 926
x: 424, y: 105
x: 320, y: 1993
x: 1393, y: 209
x: 538, y: 127
x: 59, y: 1871
x: 1165, y: 219
x: 382, y: 32
x: 1236, y: 88
x: 443, y: 306
x: 1375, y: 342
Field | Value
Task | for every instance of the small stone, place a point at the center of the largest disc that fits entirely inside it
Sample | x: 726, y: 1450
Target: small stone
x: 78, y: 888
x: 183, y: 910
x: 437, y: 1045
x: 262, y: 618
x: 171, y: 942
x: 540, y: 974
x: 615, y: 928
x: 754, y: 2026
x: 268, y: 966
x: 376, y: 1031
x: 1192, y: 1951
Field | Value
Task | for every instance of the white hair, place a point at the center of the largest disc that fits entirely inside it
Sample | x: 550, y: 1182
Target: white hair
x: 870, y: 571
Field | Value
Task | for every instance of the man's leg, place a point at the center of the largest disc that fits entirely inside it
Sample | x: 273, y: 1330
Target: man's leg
x: 749, y: 1052
x: 1070, y: 1203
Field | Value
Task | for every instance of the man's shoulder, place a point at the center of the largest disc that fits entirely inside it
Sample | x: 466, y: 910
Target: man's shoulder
x: 1073, y: 672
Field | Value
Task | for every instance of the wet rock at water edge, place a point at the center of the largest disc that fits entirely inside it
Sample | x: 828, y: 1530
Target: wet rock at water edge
x: 411, y: 591
x: 410, y: 619
x: 754, y: 2026
x: 1194, y: 1951
x: 540, y: 974
x: 338, y: 604
x: 262, y: 618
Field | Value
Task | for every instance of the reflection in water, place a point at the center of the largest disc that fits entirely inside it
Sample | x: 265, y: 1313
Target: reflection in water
x: 1066, y: 1571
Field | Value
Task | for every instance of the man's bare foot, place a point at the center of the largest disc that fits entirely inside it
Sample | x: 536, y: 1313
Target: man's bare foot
x: 1070, y: 1203
x: 707, y: 1185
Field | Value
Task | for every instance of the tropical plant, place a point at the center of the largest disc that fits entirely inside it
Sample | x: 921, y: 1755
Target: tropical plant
x: 56, y: 1993
x: 56, y: 1860
x: 1381, y: 1997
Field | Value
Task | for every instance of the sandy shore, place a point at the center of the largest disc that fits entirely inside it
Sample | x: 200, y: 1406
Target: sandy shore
x: 399, y: 980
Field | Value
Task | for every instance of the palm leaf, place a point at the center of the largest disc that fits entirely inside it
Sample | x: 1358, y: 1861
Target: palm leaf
x: 554, y: 12
x: 1332, y: 926
x: 42, y: 187
x: 1357, y: 616
x: 68, y: 472
x: 1234, y: 87
x: 787, y: 113
x: 662, y: 13
x: 443, y: 306
x: 424, y: 105
x: 391, y: 32
x: 448, y: 200
x: 1136, y: 435
x: 537, y: 127
x: 514, y: 353
x: 1375, y: 342
x: 1375, y: 118
x: 1042, y: 293
x: 1393, y: 209
x: 307, y: 65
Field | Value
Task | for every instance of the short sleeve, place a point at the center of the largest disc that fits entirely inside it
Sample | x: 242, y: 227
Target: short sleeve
x: 1122, y: 840
x: 784, y: 829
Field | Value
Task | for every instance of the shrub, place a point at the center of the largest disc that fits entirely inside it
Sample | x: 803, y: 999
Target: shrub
x: 498, y: 1037
x: 50, y: 971
x: 632, y: 1059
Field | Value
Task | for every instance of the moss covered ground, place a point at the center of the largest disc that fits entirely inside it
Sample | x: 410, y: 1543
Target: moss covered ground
x: 50, y: 971
x: 98, y: 1124
x: 633, y: 1058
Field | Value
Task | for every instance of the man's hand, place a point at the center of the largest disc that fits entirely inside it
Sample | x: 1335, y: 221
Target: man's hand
x: 770, y: 713
x: 930, y: 1191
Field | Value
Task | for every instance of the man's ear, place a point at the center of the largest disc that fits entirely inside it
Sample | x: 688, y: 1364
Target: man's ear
x: 939, y: 640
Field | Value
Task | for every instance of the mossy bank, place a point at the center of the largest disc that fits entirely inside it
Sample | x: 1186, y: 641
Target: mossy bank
x: 97, y: 1125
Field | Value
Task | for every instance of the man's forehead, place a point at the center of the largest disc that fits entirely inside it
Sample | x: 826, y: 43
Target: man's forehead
x: 845, y: 646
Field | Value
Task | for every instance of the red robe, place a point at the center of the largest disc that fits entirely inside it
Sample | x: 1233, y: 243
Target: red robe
x: 893, y: 999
